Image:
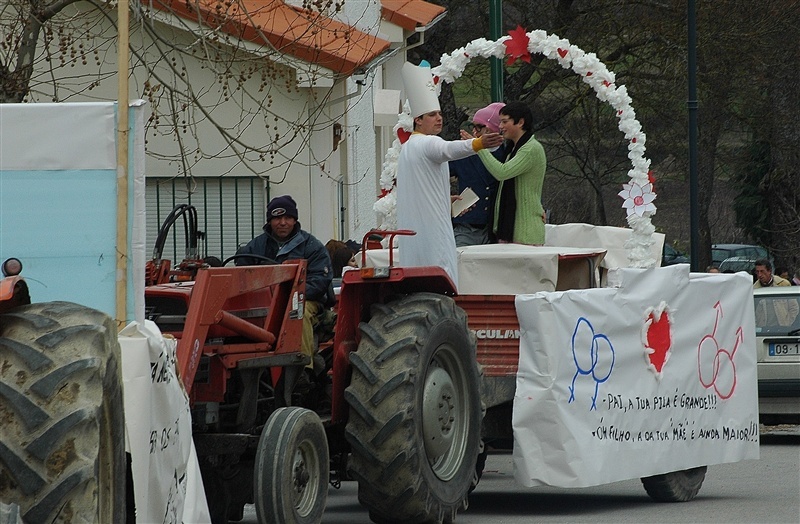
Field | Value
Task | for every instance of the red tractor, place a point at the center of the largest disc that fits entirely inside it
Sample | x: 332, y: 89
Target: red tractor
x: 398, y: 408
x: 62, y: 453
x: 410, y: 392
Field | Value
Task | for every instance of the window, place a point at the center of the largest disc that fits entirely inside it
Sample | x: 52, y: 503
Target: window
x: 230, y: 212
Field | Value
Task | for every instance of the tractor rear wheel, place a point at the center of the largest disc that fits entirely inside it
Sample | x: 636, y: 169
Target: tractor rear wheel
x: 415, y: 410
x: 62, y: 456
x: 292, y: 468
x: 677, y: 486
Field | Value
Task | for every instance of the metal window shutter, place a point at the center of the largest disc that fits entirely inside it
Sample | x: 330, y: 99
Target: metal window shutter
x: 230, y: 210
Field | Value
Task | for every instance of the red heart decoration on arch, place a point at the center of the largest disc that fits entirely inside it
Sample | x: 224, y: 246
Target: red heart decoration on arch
x: 562, y: 52
x: 435, y: 80
x: 403, y: 135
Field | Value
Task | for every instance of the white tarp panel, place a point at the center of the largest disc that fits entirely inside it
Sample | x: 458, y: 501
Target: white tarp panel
x: 58, y: 201
x: 54, y: 137
x: 610, y: 238
x: 656, y: 376
x: 502, y: 269
x: 166, y: 476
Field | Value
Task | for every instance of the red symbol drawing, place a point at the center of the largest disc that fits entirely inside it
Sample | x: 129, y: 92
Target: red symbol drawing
x: 657, y: 337
x: 715, y: 364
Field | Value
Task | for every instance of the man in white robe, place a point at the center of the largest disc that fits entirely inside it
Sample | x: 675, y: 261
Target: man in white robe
x: 423, y: 178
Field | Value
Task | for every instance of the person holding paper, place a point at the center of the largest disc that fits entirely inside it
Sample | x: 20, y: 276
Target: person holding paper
x: 423, y: 180
x: 474, y: 226
x: 518, y: 213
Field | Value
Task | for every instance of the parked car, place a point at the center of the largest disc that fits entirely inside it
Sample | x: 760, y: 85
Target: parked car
x: 777, y: 311
x: 737, y: 264
x: 670, y: 256
x: 720, y: 252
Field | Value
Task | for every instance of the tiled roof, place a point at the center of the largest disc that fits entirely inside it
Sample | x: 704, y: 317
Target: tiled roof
x: 410, y: 14
x: 293, y: 31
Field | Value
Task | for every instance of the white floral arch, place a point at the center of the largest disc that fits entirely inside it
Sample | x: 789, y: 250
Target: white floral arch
x: 638, y: 193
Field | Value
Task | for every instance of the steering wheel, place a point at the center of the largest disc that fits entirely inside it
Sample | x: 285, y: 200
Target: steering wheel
x: 263, y: 261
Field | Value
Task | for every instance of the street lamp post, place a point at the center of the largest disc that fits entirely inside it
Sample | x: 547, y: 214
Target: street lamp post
x: 692, y: 105
x: 496, y: 64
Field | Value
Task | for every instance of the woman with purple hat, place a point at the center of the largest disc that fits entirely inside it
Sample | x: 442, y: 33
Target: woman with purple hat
x: 474, y: 225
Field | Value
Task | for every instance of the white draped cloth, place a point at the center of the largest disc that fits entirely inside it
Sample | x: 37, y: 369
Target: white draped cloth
x: 423, y: 201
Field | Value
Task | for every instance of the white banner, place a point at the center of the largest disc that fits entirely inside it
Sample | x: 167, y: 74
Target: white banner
x: 166, y: 476
x: 655, y: 376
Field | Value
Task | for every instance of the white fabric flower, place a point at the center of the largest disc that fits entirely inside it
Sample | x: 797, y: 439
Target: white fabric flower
x: 638, y: 199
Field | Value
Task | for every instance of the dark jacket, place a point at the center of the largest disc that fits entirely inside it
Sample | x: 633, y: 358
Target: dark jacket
x: 471, y: 172
x: 300, y: 244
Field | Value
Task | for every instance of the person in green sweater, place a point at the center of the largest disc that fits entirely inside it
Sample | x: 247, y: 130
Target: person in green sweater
x: 518, y: 213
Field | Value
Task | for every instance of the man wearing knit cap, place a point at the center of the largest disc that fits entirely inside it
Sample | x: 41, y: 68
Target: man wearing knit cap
x: 474, y: 225
x: 423, y: 179
x: 283, y: 239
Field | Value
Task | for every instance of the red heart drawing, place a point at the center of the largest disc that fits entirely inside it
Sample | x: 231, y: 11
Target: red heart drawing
x: 403, y: 135
x: 562, y: 52
x: 589, y: 73
x: 435, y: 80
x: 659, y: 340
x: 606, y: 83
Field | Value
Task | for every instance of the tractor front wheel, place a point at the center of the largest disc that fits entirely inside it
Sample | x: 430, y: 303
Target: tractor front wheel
x: 292, y: 468
x: 415, y: 411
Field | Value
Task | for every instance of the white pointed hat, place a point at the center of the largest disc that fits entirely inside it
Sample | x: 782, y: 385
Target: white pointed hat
x: 420, y: 90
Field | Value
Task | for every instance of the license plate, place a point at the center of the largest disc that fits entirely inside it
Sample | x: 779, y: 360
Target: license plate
x: 781, y: 349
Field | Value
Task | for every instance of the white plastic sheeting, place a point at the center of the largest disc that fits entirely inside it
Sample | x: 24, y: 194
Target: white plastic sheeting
x: 655, y: 376
x: 166, y: 476
x: 58, y: 201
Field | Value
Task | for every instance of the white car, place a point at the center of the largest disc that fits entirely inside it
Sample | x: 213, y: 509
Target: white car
x: 777, y: 311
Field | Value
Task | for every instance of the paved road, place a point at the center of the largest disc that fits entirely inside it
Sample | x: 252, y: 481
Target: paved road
x: 755, y: 491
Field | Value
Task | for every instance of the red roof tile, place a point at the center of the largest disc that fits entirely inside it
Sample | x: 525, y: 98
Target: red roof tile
x: 293, y: 31
x: 410, y: 14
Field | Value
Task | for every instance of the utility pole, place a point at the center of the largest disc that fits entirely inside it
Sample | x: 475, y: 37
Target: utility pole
x: 496, y: 64
x: 122, y: 164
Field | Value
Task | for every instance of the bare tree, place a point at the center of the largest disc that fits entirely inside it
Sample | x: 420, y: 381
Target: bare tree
x: 747, y: 91
x: 57, y: 50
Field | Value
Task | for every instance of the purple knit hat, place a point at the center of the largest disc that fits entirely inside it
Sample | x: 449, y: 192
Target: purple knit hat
x: 489, y: 116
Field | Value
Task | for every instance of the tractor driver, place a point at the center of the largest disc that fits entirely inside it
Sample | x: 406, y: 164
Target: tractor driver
x: 282, y: 240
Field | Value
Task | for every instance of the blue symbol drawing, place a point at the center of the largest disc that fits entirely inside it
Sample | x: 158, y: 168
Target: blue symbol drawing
x: 593, y: 355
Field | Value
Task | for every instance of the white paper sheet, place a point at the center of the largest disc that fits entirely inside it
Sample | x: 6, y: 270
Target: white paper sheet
x: 166, y: 475
x: 656, y: 376
x: 468, y: 198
